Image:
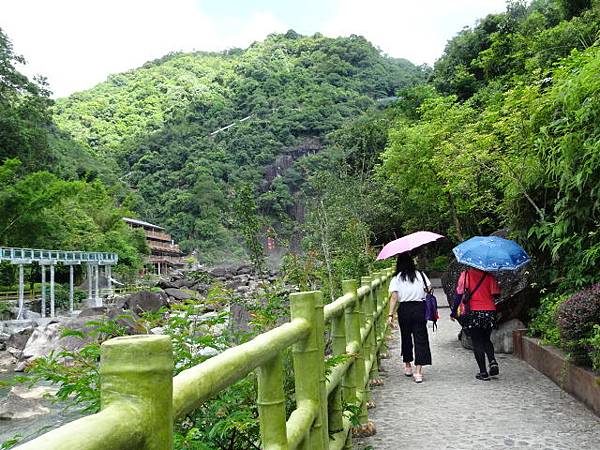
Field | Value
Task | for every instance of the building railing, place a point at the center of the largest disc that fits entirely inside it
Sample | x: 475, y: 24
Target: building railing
x: 29, y: 255
x: 155, y: 245
x: 158, y: 235
x: 176, y: 260
x: 140, y: 399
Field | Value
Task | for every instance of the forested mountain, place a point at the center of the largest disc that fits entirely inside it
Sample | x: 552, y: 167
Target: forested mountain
x: 283, y: 95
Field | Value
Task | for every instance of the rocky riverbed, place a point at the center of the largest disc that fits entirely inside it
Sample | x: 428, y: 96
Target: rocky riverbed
x: 23, y: 341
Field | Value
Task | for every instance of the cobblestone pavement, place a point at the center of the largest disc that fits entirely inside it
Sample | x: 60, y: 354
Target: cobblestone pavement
x: 521, y: 408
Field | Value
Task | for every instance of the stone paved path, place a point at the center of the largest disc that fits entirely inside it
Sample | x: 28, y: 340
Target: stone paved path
x: 452, y: 410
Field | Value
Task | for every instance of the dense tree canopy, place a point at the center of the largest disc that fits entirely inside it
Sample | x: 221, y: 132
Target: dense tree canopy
x: 50, y: 193
x: 505, y: 135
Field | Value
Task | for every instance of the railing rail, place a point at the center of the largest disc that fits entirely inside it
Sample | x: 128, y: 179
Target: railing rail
x: 140, y: 400
x: 29, y: 294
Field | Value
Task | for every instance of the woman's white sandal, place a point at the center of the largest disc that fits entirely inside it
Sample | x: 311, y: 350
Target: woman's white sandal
x: 418, y: 377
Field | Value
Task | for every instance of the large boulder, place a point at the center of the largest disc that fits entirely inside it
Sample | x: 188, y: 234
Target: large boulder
x: 200, y: 287
x: 15, y: 326
x: 501, y: 338
x: 145, y: 301
x: 15, y: 407
x: 244, y: 269
x: 93, y: 311
x: 127, y: 320
x: 174, y: 283
x: 3, y: 338
x: 222, y: 271
x: 517, y: 298
x: 240, y: 318
x: 181, y: 283
x: 48, y: 337
x: 518, y: 292
x: 17, y: 341
x: 237, y: 281
x: 178, y: 294
x: 7, y: 362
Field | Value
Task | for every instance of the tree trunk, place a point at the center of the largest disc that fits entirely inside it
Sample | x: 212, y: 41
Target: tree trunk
x: 459, y: 234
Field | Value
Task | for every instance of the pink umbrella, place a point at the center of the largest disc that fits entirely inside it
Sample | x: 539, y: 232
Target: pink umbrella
x: 408, y: 243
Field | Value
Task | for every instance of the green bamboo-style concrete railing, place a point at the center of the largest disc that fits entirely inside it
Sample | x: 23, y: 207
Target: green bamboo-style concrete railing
x: 140, y: 399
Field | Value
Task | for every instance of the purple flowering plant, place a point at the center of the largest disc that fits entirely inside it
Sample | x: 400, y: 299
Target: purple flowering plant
x: 576, y: 318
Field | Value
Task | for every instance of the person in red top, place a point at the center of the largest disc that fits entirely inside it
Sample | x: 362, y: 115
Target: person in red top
x: 480, y: 319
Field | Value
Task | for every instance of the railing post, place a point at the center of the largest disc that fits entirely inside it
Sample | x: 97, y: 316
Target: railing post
x: 90, y: 283
x: 385, y: 295
x: 384, y: 314
x: 335, y: 410
x: 350, y: 381
x: 308, y: 365
x: 137, y: 371
x: 357, y: 370
x: 52, y: 312
x: 381, y: 306
x: 368, y: 322
x: 271, y: 405
x: 372, y: 300
x: 71, y: 288
x: 43, y: 308
x: 320, y: 330
x: 21, y: 293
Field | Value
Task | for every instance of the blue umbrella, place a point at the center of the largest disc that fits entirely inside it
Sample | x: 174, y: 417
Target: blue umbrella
x: 491, y: 253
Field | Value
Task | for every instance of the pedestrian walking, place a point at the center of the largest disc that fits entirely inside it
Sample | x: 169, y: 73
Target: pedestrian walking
x: 408, y: 288
x: 476, y: 294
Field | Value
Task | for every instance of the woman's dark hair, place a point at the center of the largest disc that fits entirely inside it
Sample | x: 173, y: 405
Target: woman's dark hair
x: 405, y: 267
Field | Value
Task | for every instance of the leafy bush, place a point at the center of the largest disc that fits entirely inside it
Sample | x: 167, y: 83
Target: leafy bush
x: 543, y: 323
x: 594, y: 345
x: 61, y: 295
x: 439, y: 264
x: 576, y: 318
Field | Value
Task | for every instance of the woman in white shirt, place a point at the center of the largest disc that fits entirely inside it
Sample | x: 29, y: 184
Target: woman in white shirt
x: 408, y: 291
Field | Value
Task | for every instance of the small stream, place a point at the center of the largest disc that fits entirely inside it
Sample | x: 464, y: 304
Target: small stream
x: 28, y: 429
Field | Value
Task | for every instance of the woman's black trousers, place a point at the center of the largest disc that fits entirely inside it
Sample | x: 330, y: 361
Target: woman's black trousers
x: 413, y: 331
x: 482, y: 346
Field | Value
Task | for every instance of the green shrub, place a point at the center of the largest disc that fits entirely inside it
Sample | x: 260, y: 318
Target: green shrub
x: 61, y: 296
x: 439, y: 264
x: 543, y: 323
x: 594, y: 345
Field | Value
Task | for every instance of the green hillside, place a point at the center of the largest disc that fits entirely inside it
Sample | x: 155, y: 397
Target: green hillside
x: 158, y: 121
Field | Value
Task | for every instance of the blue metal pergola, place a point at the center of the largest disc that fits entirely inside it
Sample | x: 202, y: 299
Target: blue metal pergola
x: 30, y: 255
x: 26, y: 256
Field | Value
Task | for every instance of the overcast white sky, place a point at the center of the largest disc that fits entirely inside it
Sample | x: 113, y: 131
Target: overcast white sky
x: 78, y: 43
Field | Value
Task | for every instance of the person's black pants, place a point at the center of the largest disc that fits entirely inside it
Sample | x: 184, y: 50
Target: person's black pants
x: 413, y: 327
x: 482, y: 346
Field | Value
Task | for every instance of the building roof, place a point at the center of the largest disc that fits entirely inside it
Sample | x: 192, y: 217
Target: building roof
x: 142, y: 223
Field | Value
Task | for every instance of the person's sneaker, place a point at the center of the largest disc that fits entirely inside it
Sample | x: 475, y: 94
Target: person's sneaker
x: 483, y: 376
x: 494, y: 369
